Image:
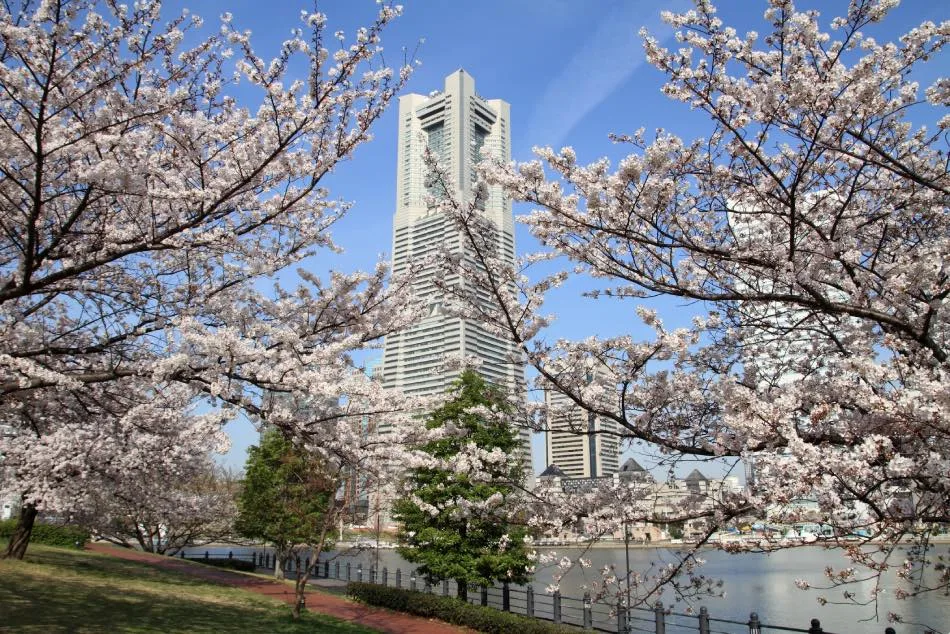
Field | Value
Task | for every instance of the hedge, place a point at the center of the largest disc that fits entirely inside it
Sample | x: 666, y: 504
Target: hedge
x: 50, y: 534
x: 451, y: 610
x: 234, y: 564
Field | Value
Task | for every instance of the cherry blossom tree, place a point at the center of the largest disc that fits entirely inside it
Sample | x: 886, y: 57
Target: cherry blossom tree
x: 811, y: 227
x: 189, y: 502
x: 140, y: 201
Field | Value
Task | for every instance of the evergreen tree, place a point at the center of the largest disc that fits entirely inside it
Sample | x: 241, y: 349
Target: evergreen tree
x: 286, y: 497
x: 454, y: 519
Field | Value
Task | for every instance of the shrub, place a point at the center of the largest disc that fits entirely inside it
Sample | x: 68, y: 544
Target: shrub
x: 451, y: 610
x: 233, y: 564
x: 63, y: 535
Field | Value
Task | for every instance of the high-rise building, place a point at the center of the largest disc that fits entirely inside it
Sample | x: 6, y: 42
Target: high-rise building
x: 580, y: 443
x: 459, y: 127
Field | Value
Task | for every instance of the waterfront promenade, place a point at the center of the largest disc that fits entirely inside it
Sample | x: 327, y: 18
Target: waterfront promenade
x: 317, y: 601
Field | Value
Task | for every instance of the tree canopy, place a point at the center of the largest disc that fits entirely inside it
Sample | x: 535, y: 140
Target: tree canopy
x: 285, y: 495
x: 455, y: 516
x: 809, y: 229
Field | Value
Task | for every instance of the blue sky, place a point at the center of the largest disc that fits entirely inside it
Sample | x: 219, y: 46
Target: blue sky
x: 573, y: 72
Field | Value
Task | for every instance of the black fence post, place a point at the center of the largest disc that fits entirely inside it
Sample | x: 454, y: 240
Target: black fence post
x: 445, y: 587
x: 398, y: 577
x: 385, y: 576
x: 588, y: 614
x: 660, y: 617
x: 483, y: 598
x: 556, y: 606
x: 297, y: 562
x: 372, y: 574
x: 206, y: 555
x: 326, y: 569
x: 815, y: 627
x: 349, y: 569
x: 754, y: 626
x: 529, y: 601
x: 230, y: 555
x: 336, y: 570
x: 359, y: 572
x: 703, y: 620
x: 505, y: 597
x: 622, y: 617
x: 306, y: 563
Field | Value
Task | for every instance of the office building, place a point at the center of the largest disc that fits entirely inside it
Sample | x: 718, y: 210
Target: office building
x: 581, y: 444
x: 456, y: 124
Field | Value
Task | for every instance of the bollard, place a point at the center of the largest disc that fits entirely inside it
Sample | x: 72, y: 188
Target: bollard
x: 588, y: 613
x: 483, y: 596
x: 505, y: 597
x: 703, y: 620
x: 815, y: 627
x: 660, y: 617
x: 445, y: 587
x: 754, y: 626
x: 529, y: 601
x: 556, y: 599
x: 385, y: 576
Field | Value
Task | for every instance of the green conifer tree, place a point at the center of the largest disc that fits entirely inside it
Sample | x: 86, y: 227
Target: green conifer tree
x: 459, y: 541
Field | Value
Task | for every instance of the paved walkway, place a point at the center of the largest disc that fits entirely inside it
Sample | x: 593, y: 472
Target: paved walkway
x: 377, y: 618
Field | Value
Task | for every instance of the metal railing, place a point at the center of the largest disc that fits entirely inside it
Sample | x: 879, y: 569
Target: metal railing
x: 580, y: 612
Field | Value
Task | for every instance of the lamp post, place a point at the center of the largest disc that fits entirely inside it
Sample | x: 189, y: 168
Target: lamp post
x: 626, y: 550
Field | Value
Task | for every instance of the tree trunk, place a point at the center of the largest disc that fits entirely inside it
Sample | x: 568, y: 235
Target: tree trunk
x: 299, y: 587
x: 303, y: 576
x: 20, y: 539
x: 462, y: 589
x: 279, y: 558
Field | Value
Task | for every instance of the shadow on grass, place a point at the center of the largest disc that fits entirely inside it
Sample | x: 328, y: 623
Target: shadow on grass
x: 57, y: 590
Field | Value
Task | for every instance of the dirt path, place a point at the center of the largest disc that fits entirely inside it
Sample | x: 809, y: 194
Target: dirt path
x: 377, y: 618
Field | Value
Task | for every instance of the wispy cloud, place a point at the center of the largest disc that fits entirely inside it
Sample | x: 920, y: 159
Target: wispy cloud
x: 598, y: 67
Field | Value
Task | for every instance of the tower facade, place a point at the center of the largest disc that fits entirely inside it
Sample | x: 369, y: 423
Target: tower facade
x: 580, y: 443
x: 459, y: 127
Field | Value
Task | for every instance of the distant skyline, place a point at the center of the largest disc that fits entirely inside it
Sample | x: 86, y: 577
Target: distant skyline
x: 572, y: 71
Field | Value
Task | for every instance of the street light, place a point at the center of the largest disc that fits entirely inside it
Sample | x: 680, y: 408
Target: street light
x: 626, y: 549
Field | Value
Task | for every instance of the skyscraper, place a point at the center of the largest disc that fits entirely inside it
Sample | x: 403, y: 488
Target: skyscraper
x: 581, y: 444
x: 456, y: 124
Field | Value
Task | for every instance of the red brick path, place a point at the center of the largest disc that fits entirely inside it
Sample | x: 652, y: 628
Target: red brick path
x: 377, y: 618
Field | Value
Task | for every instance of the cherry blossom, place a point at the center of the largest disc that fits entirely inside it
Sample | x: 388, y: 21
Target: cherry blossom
x: 811, y: 227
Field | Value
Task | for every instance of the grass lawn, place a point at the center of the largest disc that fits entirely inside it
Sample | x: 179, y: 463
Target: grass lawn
x: 63, y: 590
